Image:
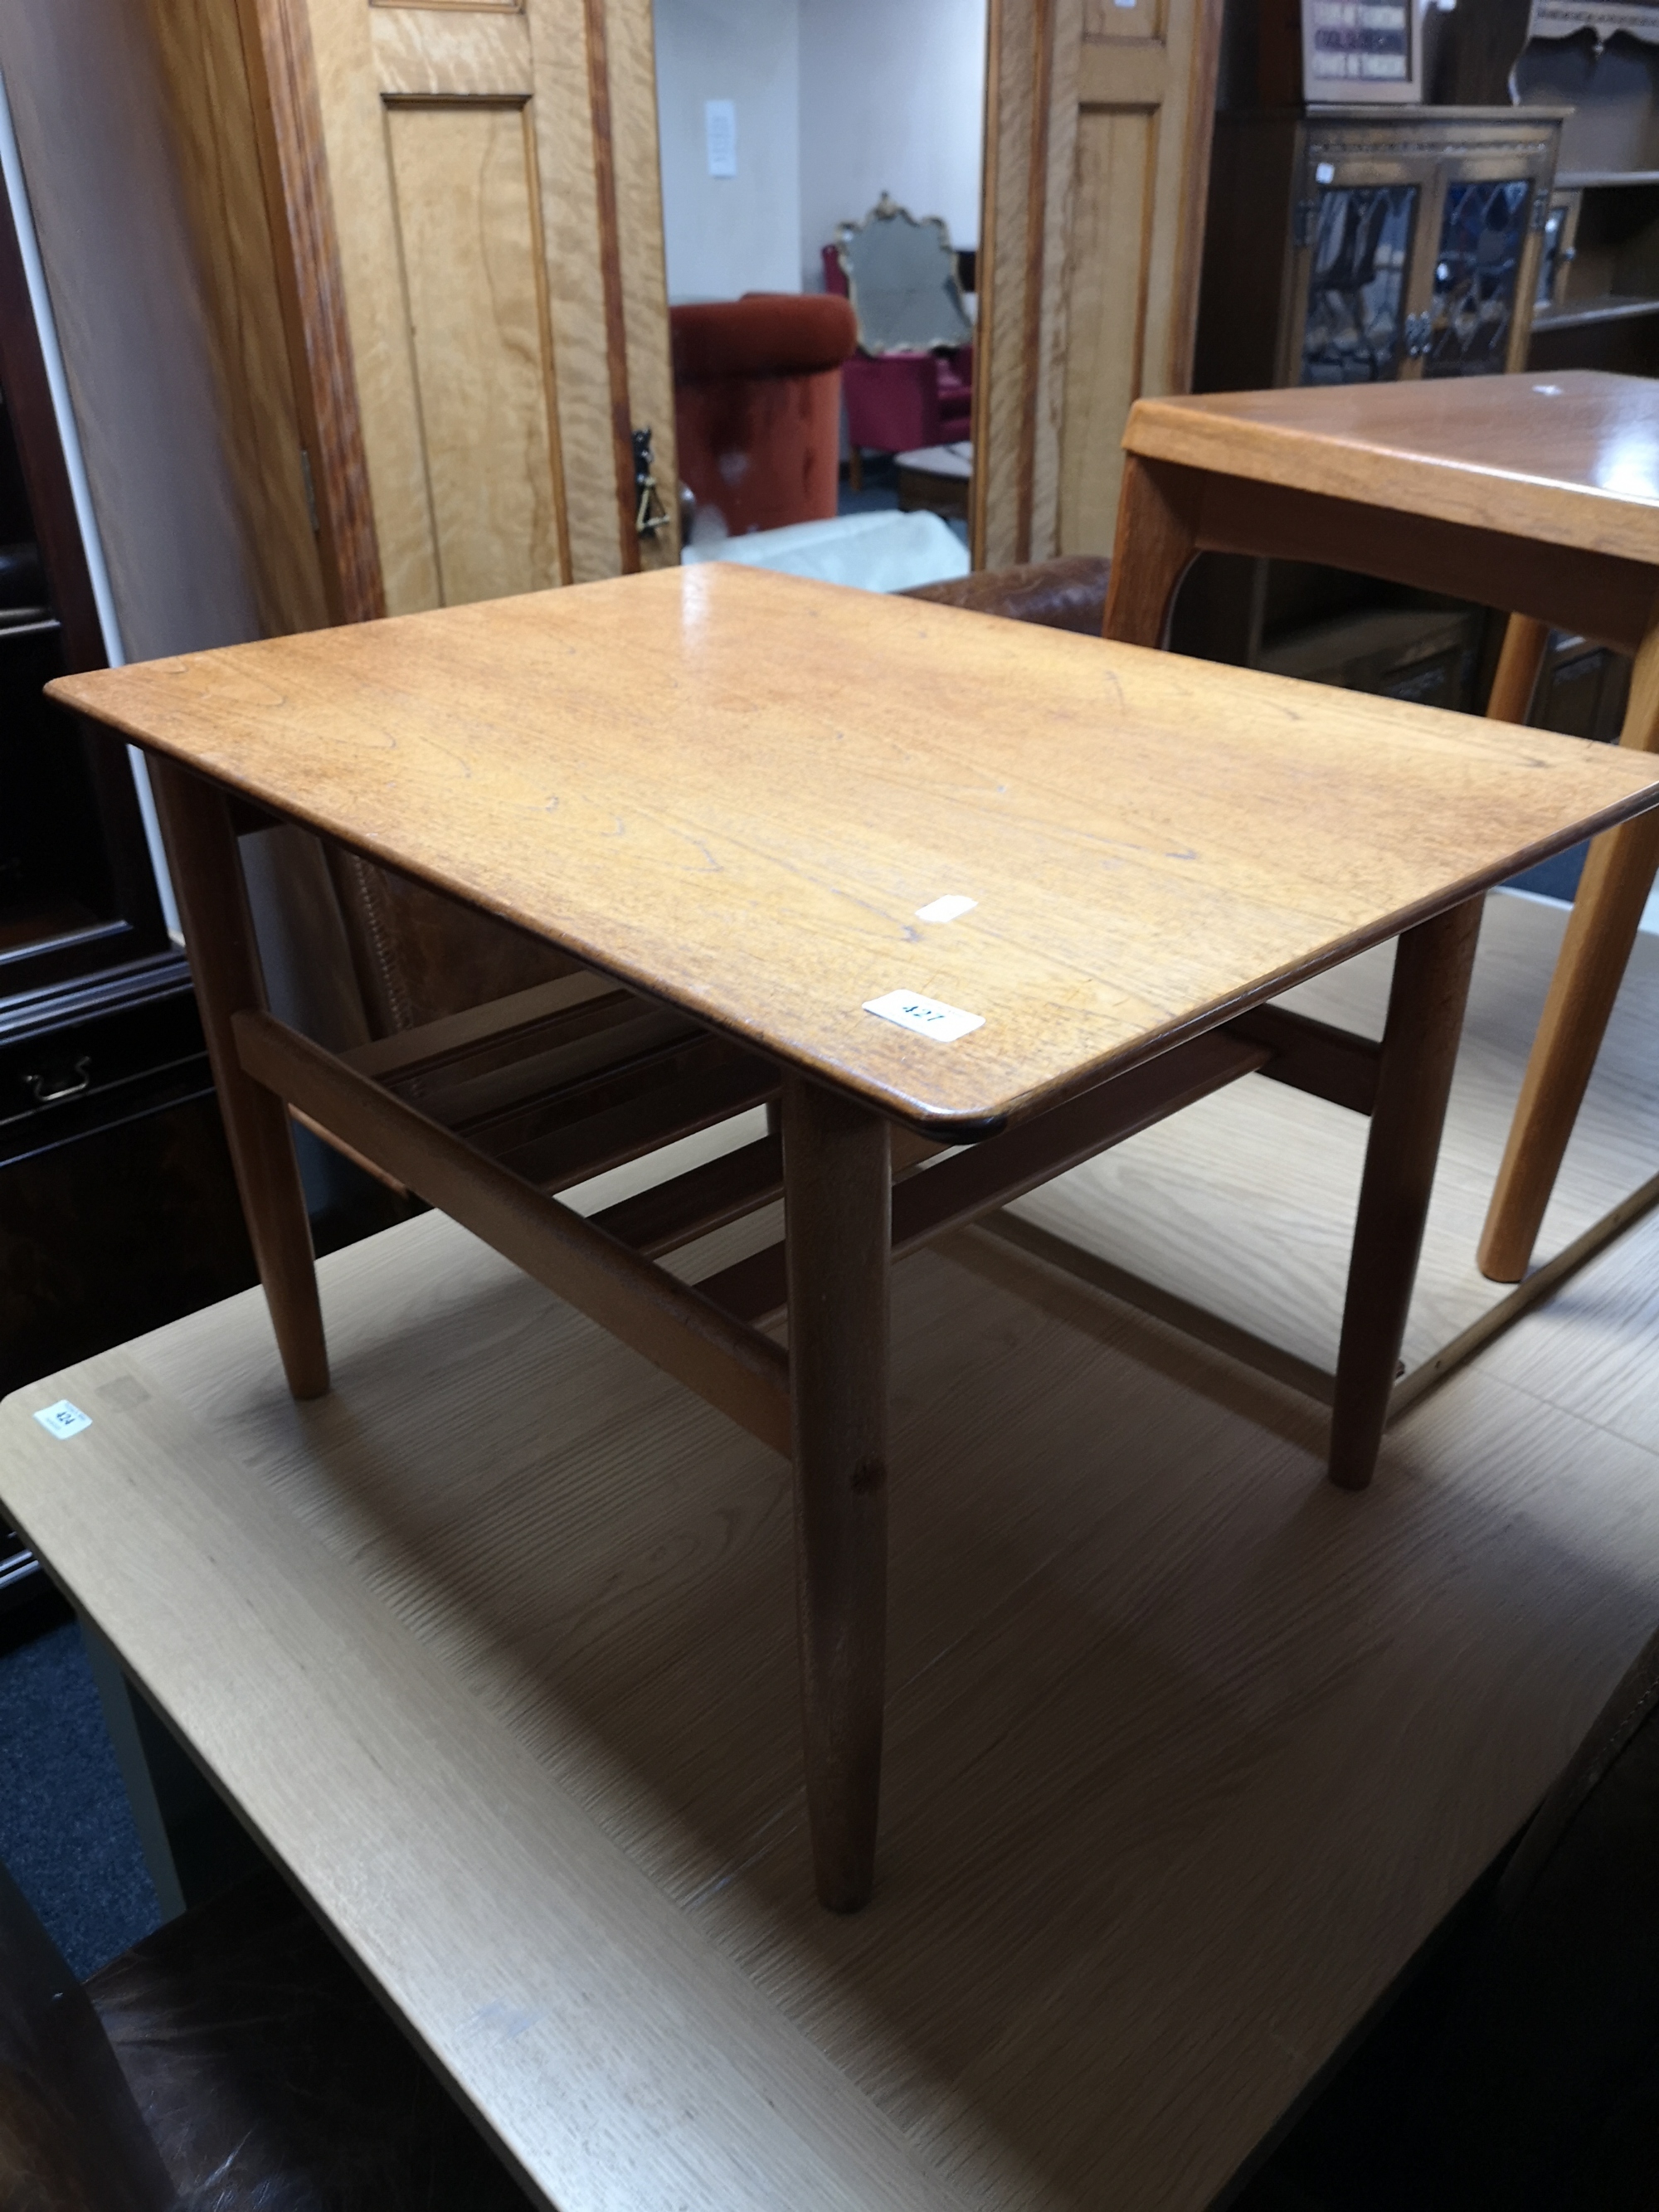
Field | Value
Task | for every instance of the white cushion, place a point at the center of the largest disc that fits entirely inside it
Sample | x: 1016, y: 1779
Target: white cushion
x: 886, y: 552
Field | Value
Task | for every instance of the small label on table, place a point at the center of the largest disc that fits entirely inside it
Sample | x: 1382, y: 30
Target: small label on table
x: 926, y: 1016
x: 63, y: 1419
x: 950, y: 908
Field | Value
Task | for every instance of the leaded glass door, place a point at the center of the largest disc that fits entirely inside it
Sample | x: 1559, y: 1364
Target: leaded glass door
x: 1353, y: 331
x: 1485, y: 229
x: 1414, y: 245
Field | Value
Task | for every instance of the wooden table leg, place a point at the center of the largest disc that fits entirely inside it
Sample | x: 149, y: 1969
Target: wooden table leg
x: 837, y: 1227
x: 1156, y: 538
x: 207, y: 881
x: 1612, y: 893
x: 1525, y: 643
x: 1431, y: 966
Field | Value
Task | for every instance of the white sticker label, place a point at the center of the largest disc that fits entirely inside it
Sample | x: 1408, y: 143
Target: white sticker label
x: 926, y: 1016
x: 1325, y: 172
x: 63, y: 1419
x: 946, y: 909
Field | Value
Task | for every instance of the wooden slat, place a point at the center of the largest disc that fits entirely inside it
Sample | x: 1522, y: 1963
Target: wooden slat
x: 735, y: 1368
x: 686, y: 1093
x: 671, y: 1214
x: 435, y: 1044
x: 517, y: 1092
x: 1313, y: 1056
x: 347, y: 1152
x: 974, y: 1181
x: 514, y: 1131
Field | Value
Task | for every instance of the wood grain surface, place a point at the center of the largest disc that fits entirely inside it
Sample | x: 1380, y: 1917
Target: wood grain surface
x: 735, y: 789
x: 1572, y: 459
x: 204, y: 61
x: 1188, y: 1752
x: 290, y: 84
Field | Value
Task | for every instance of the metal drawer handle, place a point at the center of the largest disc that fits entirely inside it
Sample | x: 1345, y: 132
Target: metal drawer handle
x: 52, y: 1089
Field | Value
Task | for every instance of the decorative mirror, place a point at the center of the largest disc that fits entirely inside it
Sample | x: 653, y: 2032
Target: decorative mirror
x: 901, y: 275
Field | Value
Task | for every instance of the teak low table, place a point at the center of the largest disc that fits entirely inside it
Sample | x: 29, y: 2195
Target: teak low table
x: 1539, y: 496
x: 750, y: 806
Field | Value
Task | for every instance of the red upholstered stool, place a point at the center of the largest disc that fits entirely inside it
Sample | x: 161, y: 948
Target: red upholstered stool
x: 758, y: 406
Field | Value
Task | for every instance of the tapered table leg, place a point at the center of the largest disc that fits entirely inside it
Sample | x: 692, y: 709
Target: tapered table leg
x: 1612, y: 893
x: 1419, y: 1049
x: 207, y: 881
x: 1525, y: 642
x: 837, y: 1228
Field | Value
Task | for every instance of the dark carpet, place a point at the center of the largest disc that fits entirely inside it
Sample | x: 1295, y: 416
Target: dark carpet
x: 66, y: 1833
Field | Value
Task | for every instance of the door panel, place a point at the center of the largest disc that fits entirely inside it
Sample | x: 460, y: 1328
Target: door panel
x: 1116, y: 179
x: 467, y: 196
x: 1098, y: 139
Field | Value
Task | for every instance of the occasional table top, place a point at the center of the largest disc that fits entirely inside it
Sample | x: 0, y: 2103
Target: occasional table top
x: 739, y: 791
x: 1570, y: 457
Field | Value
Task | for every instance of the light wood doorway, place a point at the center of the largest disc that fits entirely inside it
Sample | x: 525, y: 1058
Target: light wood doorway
x: 1098, y: 120
x: 431, y: 237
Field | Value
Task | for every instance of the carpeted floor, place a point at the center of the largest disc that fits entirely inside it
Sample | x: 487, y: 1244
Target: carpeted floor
x: 1554, y: 878
x: 65, y: 1832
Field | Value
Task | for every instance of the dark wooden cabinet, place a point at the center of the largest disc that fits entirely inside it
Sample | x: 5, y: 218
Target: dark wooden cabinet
x: 118, y: 1207
x: 1353, y: 246
x: 1358, y: 245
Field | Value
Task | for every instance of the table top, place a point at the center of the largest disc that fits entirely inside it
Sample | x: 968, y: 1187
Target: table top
x: 1571, y: 458
x: 741, y: 791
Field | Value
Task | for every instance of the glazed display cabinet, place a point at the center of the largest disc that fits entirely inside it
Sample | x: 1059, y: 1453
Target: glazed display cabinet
x: 1350, y: 246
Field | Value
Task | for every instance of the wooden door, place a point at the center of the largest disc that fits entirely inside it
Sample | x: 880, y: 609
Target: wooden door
x: 1096, y: 160
x: 466, y: 230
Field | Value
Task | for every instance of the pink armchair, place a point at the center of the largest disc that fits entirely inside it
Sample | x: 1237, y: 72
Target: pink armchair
x: 896, y: 402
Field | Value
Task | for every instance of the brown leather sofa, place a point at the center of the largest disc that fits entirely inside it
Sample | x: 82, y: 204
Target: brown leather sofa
x: 231, y: 2062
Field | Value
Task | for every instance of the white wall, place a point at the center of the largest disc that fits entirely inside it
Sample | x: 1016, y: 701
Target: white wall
x: 727, y: 235
x: 893, y: 98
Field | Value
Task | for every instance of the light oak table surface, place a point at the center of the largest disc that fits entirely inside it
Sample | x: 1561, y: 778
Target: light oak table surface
x: 493, y: 1648
x: 1569, y: 459
x: 734, y: 790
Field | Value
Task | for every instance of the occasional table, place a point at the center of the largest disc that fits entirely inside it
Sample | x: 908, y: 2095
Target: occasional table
x: 938, y: 883
x: 1539, y: 496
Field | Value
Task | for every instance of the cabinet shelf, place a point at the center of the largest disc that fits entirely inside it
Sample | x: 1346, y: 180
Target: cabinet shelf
x: 1584, y: 314
x: 1584, y: 180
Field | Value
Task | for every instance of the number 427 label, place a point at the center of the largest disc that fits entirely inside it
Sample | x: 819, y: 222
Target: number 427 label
x: 928, y: 1017
x: 63, y: 1419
